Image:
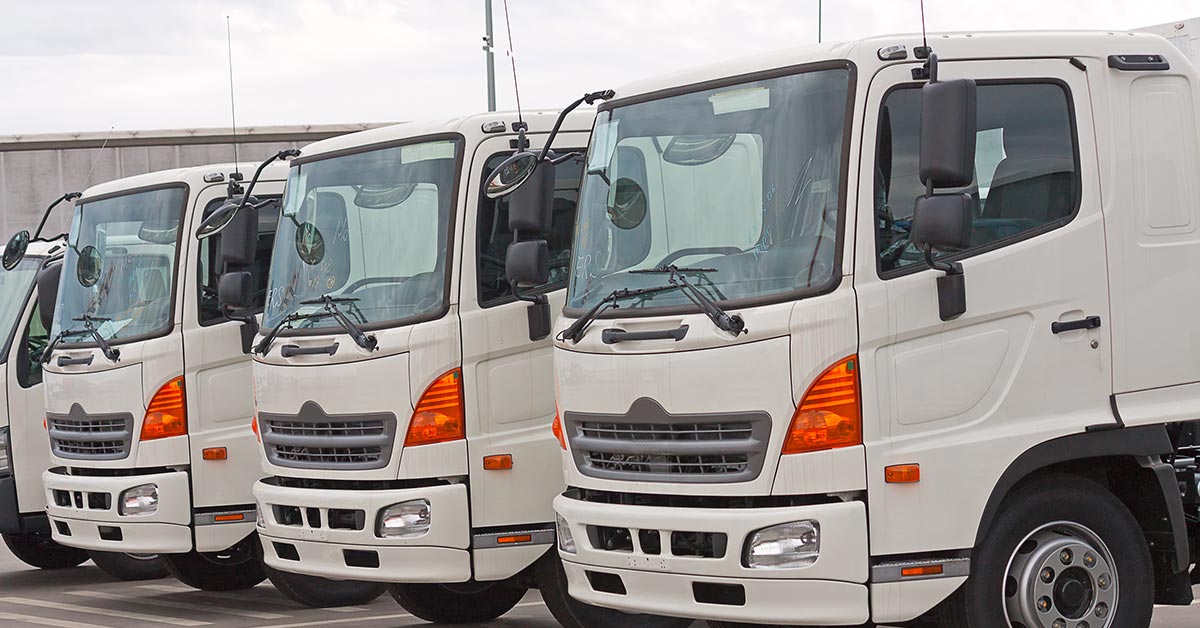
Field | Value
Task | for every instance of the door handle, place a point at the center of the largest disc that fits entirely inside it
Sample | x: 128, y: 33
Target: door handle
x: 614, y: 335
x: 1090, y: 322
x: 65, y: 361
x: 288, y: 351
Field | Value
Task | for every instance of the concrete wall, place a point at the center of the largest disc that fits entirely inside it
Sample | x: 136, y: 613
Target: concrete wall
x: 36, y: 169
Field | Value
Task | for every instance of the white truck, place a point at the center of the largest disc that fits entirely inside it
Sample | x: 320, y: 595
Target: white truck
x: 24, y: 448
x: 148, y: 391
x: 403, y: 387
x: 855, y: 334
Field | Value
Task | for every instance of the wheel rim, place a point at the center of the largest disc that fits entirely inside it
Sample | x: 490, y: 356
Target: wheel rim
x: 1061, y: 575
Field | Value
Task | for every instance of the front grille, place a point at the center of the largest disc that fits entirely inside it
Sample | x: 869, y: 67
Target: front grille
x: 312, y: 439
x: 647, y: 443
x: 79, y: 436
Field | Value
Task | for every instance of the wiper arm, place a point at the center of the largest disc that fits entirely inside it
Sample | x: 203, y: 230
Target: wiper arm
x: 575, y: 332
x: 264, y: 345
x: 89, y: 328
x: 53, y: 344
x: 330, y: 303
x: 718, y: 316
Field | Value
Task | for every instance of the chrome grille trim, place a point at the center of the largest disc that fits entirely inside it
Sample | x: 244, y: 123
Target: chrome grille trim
x: 312, y: 439
x: 78, y: 435
x: 649, y: 444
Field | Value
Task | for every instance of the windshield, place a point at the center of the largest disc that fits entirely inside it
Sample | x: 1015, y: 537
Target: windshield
x: 743, y: 181
x: 371, y: 228
x: 15, y: 286
x: 119, y: 268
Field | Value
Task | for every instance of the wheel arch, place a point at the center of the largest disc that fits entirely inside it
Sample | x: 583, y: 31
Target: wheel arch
x: 1126, y: 461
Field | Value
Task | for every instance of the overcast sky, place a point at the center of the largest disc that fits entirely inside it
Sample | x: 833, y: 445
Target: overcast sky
x: 87, y: 65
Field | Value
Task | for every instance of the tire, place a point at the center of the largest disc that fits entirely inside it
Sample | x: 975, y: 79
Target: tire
x: 42, y: 552
x: 130, y: 567
x: 571, y: 613
x: 467, y: 603
x: 318, y: 592
x: 1036, y: 528
x: 234, y: 569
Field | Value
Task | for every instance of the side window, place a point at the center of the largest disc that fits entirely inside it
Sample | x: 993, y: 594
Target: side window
x: 1026, y: 169
x: 493, y: 235
x: 34, y: 341
x: 210, y: 262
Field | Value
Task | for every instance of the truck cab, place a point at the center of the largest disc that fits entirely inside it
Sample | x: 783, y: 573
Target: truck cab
x: 403, y: 389
x: 149, y: 398
x: 866, y: 332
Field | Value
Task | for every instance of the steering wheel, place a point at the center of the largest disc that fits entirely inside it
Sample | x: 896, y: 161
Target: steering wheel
x: 697, y: 250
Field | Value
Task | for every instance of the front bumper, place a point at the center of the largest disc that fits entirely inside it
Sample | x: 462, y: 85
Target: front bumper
x: 831, y: 591
x: 83, y: 513
x: 313, y: 548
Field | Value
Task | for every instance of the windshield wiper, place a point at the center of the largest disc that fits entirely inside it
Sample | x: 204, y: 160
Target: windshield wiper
x: 330, y: 303
x: 264, y: 345
x: 89, y: 327
x: 575, y: 332
x: 733, y: 324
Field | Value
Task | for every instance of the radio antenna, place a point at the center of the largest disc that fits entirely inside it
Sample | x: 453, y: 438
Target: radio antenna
x: 513, y: 59
x: 88, y: 179
x: 232, y: 102
x: 924, y: 37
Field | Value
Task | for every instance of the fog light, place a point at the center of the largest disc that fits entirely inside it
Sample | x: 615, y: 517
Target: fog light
x: 785, y: 546
x: 566, y: 541
x: 405, y: 520
x: 139, y: 501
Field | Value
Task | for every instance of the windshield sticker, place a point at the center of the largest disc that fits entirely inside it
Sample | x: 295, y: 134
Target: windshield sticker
x: 426, y: 151
x: 747, y: 99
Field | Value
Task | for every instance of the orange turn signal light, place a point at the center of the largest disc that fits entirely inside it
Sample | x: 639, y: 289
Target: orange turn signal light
x: 828, y: 416
x: 166, y: 415
x: 557, y: 428
x: 500, y: 462
x: 215, y: 453
x: 519, y: 538
x: 439, y: 415
x: 254, y: 428
x: 924, y: 570
x: 234, y: 517
x: 902, y: 474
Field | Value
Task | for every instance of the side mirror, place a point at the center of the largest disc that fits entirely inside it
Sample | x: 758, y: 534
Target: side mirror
x: 942, y: 221
x: 531, y: 206
x: 14, y: 251
x: 528, y: 263
x: 239, y: 237
x: 511, y: 174
x: 948, y: 128
x: 235, y: 290
x: 47, y: 299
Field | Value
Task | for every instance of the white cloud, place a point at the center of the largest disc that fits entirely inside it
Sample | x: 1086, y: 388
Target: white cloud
x: 73, y: 65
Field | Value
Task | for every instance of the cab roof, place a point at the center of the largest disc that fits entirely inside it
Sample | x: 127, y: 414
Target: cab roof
x: 192, y: 175
x: 864, y: 53
x: 471, y: 127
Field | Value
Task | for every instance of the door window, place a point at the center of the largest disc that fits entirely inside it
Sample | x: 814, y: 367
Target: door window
x: 494, y: 236
x: 1026, y: 169
x: 210, y: 262
x: 34, y: 341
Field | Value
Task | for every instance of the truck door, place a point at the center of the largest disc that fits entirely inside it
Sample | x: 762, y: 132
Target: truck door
x: 27, y: 408
x: 220, y: 394
x: 509, y: 378
x: 963, y: 398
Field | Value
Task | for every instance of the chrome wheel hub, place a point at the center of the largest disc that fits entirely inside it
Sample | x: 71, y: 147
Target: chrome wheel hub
x: 1061, y: 576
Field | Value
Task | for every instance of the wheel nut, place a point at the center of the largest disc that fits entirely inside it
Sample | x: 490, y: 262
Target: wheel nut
x: 1066, y: 556
x: 1044, y: 604
x: 1047, y: 575
x: 1103, y: 581
x: 1058, y: 623
x: 1089, y: 560
x: 1101, y: 610
x: 1082, y: 624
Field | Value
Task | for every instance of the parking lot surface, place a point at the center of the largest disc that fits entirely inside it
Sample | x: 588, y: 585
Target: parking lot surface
x: 86, y: 598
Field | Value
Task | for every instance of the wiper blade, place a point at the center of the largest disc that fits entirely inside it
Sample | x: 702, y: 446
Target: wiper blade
x: 733, y: 324
x: 330, y: 303
x: 575, y: 332
x: 89, y: 328
x: 53, y: 344
x: 264, y: 345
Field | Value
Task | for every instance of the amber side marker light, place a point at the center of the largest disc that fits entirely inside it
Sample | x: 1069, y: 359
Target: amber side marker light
x: 924, y: 570
x: 215, y: 453
x: 500, y: 462
x: 557, y: 428
x: 519, y: 538
x: 438, y: 417
x: 902, y: 474
x: 828, y: 416
x: 166, y: 416
x: 254, y: 428
x: 223, y: 518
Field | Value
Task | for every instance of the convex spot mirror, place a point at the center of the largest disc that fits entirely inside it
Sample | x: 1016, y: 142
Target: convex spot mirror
x: 511, y: 174
x: 87, y: 271
x: 310, y: 244
x: 626, y: 204
x: 219, y: 219
x: 14, y: 251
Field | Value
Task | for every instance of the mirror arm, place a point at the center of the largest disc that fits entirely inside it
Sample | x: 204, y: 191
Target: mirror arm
x: 562, y: 116
x: 536, y: 299
x: 283, y: 154
x: 69, y: 196
x: 950, y: 268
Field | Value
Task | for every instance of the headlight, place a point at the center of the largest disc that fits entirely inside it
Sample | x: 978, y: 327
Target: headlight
x: 405, y: 520
x: 566, y: 541
x: 785, y: 546
x: 139, y: 501
x: 5, y: 456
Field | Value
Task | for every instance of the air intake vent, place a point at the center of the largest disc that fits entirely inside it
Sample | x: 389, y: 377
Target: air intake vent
x: 78, y: 435
x: 312, y: 439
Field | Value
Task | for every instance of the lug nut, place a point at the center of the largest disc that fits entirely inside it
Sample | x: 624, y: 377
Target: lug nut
x: 1101, y: 610
x: 1047, y: 575
x: 1083, y: 624
x: 1104, y: 581
x: 1089, y: 560
x: 1058, y: 623
x: 1044, y: 604
x: 1066, y: 556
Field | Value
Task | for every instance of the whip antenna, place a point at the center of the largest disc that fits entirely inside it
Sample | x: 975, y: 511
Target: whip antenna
x: 232, y: 102
x: 924, y: 37
x: 513, y: 59
x: 88, y: 179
